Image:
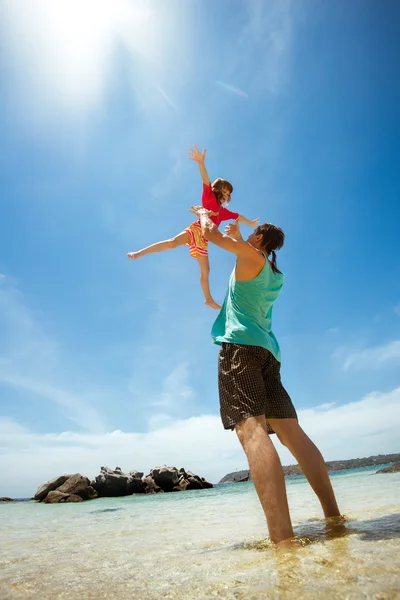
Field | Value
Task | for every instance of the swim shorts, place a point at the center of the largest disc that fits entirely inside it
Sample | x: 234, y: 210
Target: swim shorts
x: 197, y: 243
x: 249, y: 383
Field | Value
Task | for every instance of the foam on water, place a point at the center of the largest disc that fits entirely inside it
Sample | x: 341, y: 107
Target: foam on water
x: 205, y: 544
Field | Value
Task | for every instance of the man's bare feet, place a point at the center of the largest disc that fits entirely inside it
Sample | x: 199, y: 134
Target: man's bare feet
x: 134, y: 255
x: 213, y: 304
x: 288, y: 545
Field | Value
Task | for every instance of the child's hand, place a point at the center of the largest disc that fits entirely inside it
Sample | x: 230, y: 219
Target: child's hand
x: 255, y: 222
x: 195, y: 154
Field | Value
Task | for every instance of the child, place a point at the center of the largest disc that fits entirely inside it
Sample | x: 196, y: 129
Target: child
x: 214, y: 196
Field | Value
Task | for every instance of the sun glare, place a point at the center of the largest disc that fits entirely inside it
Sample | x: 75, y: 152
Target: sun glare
x: 64, y: 46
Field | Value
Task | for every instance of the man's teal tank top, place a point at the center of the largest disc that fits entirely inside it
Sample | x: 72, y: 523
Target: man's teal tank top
x: 245, y: 317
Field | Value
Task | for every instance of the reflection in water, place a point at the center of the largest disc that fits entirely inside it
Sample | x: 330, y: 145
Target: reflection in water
x: 209, y: 544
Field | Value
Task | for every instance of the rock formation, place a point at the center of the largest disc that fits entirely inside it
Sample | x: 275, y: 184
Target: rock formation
x: 333, y: 465
x: 112, y: 483
x: 392, y: 469
x: 66, y: 488
x: 170, y: 479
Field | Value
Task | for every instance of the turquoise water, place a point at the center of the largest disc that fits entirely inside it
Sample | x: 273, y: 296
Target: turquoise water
x: 205, y: 544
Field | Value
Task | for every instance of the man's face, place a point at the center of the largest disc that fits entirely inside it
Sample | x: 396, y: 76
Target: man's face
x: 254, y: 239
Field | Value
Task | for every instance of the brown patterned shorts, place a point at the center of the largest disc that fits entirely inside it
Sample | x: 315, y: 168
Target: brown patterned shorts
x: 249, y: 383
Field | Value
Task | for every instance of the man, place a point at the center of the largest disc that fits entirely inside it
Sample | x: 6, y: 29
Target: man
x: 253, y: 400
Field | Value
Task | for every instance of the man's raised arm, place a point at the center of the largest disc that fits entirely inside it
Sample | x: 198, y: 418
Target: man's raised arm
x: 232, y: 241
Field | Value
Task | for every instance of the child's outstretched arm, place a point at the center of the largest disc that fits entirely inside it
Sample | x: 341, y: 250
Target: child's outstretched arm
x: 199, y: 157
x: 253, y: 223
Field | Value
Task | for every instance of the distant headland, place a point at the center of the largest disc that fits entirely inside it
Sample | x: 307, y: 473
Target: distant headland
x: 332, y: 465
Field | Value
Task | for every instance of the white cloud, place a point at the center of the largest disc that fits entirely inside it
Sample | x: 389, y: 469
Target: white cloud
x: 369, y: 426
x: 397, y: 309
x: 175, y: 388
x: 370, y: 358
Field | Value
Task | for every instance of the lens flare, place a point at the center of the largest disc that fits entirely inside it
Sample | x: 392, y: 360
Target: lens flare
x: 232, y: 88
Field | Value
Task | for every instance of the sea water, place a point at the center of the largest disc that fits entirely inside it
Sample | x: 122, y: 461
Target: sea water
x: 205, y: 544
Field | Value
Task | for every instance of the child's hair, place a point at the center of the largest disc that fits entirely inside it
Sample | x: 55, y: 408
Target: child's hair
x: 217, y: 187
x: 273, y: 239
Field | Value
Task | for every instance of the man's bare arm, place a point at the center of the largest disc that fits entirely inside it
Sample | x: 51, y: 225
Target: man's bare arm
x: 232, y: 242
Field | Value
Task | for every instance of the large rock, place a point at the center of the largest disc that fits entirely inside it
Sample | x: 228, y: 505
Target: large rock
x: 6, y: 499
x: 111, y: 483
x: 78, y: 485
x: 150, y: 487
x: 70, y: 488
x: 165, y: 477
x: 47, y: 487
x: 171, y: 479
x: 196, y: 482
x: 182, y: 485
x: 135, y: 485
x: 55, y: 497
x: 392, y: 469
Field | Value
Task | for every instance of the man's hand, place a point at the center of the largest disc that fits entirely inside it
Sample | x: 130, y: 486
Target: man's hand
x: 233, y: 230
x: 200, y: 210
x: 196, y: 155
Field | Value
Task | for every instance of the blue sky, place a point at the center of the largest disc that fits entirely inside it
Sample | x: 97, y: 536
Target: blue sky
x: 108, y: 361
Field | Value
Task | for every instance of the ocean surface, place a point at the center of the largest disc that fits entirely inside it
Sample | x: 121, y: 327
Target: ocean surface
x: 205, y: 544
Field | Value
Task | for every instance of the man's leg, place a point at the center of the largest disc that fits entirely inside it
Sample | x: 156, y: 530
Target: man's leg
x: 267, y: 474
x: 310, y: 459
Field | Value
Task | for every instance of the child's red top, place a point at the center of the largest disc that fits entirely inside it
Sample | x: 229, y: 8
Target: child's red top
x: 210, y: 202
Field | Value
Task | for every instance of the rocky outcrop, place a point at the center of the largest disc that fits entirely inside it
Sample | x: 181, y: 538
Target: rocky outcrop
x: 66, y: 488
x: 150, y: 486
x: 333, y: 465
x: 47, y: 487
x: 236, y: 477
x: 170, y: 479
x: 165, y: 477
x: 6, y: 499
x: 111, y: 483
x: 392, y: 469
x: 79, y: 486
x: 55, y: 496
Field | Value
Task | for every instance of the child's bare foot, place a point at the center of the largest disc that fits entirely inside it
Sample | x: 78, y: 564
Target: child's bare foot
x: 212, y: 304
x: 134, y: 255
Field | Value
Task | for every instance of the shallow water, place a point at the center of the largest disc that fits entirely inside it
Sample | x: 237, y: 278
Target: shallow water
x: 205, y: 544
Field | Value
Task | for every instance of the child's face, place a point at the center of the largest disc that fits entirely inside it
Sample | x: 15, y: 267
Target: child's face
x: 226, y: 194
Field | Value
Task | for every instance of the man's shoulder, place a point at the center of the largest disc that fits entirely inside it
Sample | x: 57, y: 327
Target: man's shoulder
x: 249, y: 264
x: 249, y: 252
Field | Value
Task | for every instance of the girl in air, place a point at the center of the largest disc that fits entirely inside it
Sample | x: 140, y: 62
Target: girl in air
x: 215, y: 195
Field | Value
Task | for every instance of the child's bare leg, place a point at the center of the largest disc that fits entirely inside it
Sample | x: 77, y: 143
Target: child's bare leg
x: 204, y: 282
x: 174, y: 242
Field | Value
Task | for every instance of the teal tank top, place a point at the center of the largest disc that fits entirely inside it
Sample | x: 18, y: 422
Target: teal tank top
x: 245, y: 316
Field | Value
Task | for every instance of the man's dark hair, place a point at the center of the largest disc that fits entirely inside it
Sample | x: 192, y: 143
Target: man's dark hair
x: 273, y: 239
